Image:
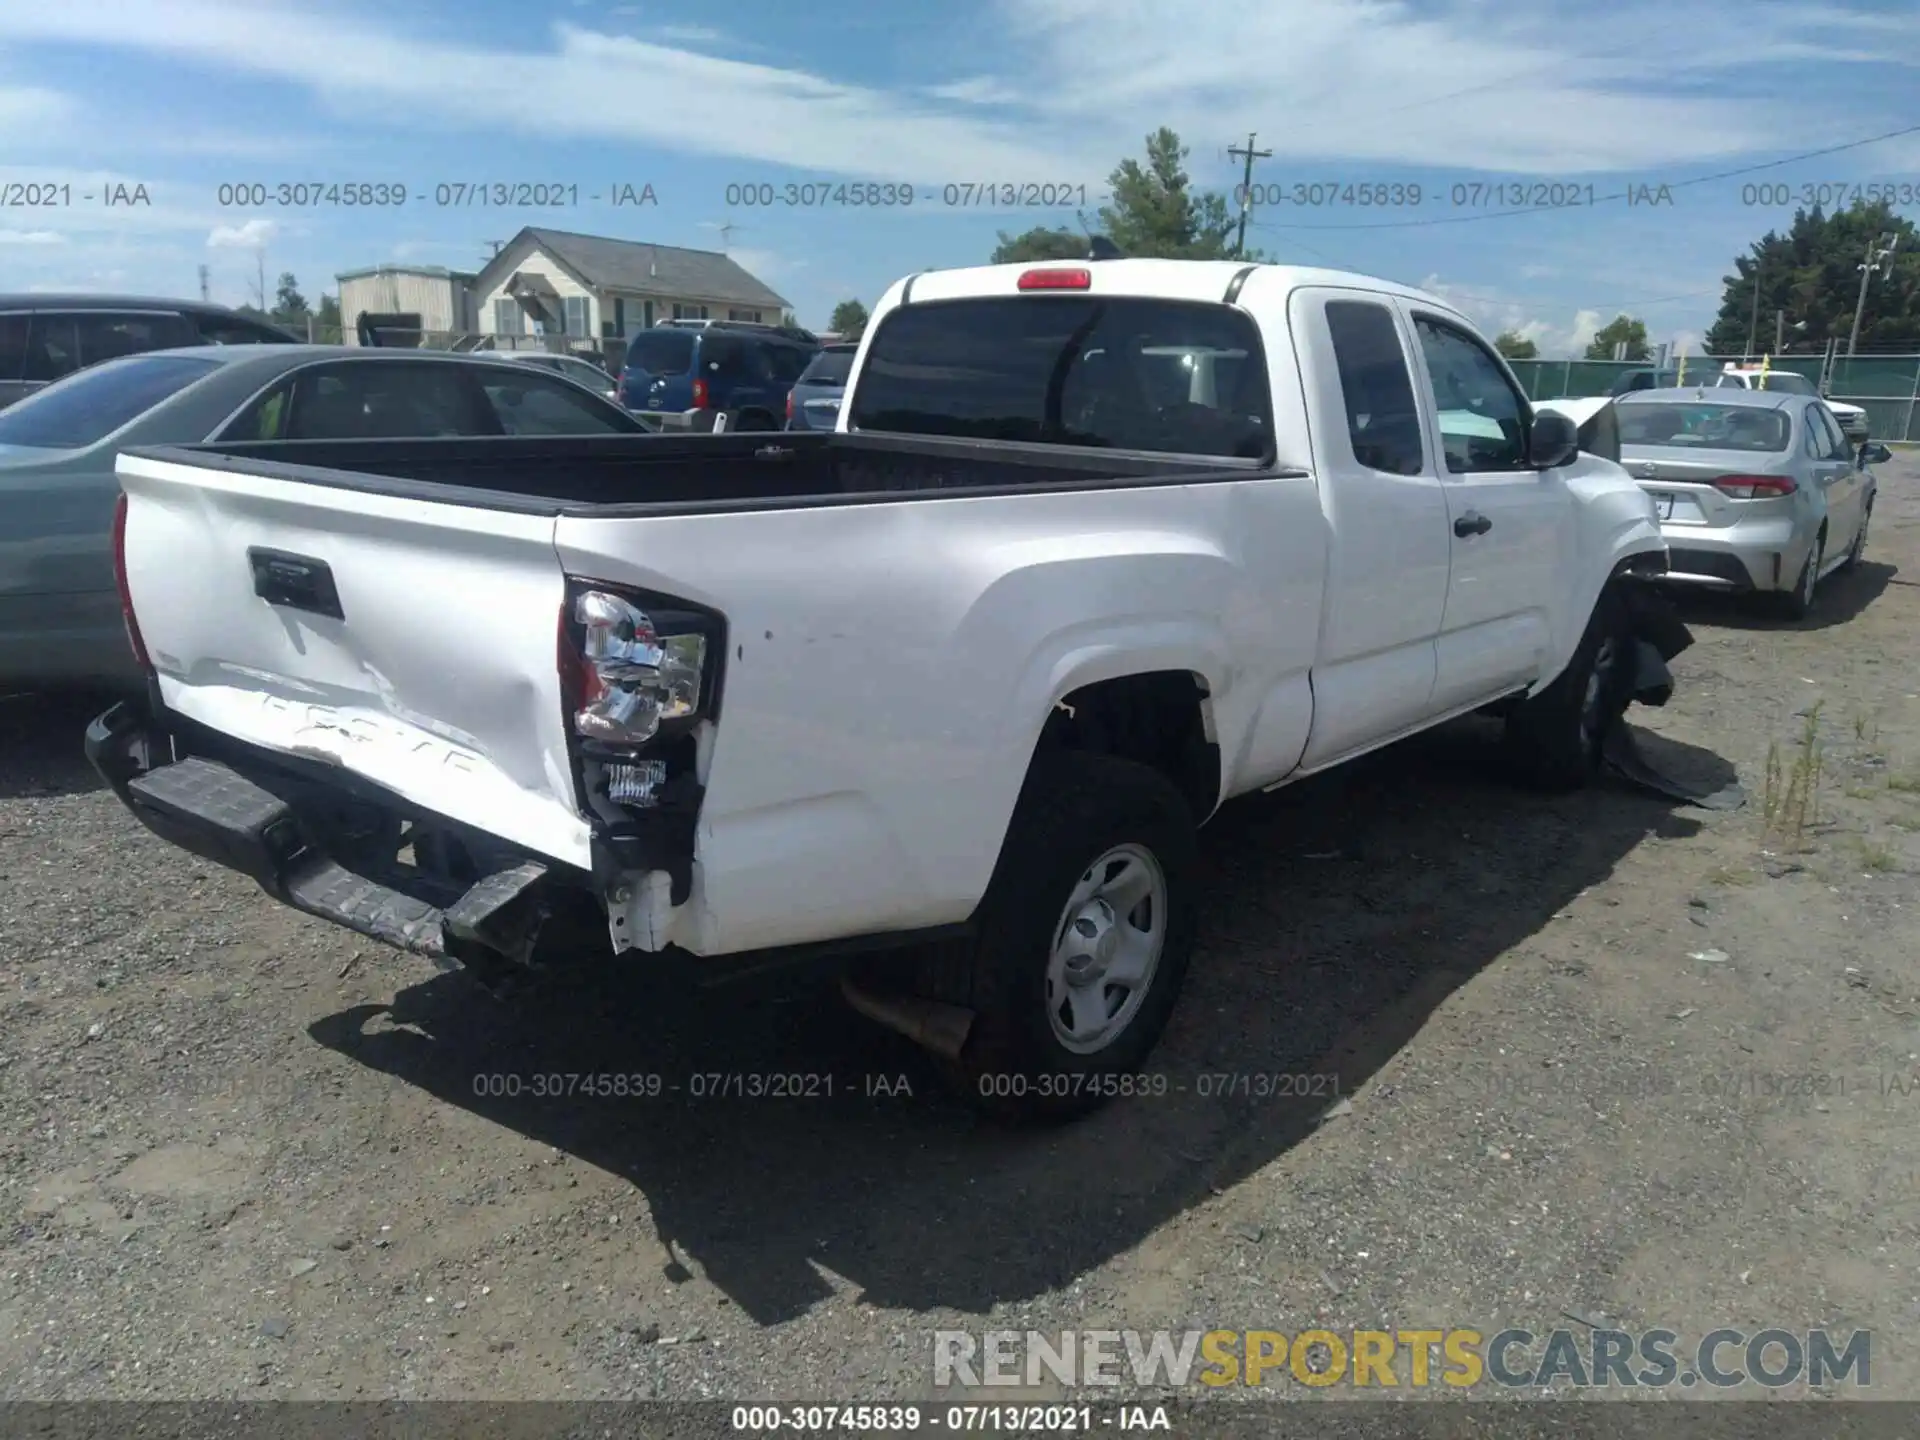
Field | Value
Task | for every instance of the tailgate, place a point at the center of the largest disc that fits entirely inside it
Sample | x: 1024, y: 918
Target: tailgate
x: 434, y: 675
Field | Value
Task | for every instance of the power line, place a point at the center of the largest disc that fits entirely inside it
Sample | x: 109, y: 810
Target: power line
x: 1619, y: 195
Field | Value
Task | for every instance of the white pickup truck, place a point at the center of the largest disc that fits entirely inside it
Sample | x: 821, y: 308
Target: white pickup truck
x: 1095, y: 548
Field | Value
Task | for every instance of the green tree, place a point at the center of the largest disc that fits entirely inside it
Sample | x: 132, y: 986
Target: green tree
x: 1812, y: 273
x: 787, y: 317
x: 1621, y: 327
x: 1039, y: 243
x: 290, y: 308
x: 849, y: 320
x: 1155, y: 213
x: 326, y: 321
x: 1515, y: 346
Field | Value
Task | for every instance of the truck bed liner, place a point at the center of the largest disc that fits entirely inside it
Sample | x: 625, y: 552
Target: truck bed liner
x: 667, y: 474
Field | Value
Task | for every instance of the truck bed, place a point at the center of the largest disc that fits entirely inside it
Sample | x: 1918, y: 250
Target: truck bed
x: 668, y: 474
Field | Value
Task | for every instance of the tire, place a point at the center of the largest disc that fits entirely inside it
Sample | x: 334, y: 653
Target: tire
x: 1555, y: 739
x: 1797, y: 603
x: 1859, y: 546
x: 1077, y: 812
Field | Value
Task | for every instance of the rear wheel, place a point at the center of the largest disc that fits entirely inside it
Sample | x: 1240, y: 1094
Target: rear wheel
x: 1084, y: 939
x: 1555, y: 739
x: 1797, y: 603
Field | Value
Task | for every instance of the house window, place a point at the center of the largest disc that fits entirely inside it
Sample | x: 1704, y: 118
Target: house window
x: 689, y: 312
x: 649, y: 320
x: 509, y: 318
x: 753, y: 315
x: 576, y: 316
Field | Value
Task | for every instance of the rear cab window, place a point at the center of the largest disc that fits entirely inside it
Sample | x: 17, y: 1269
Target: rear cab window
x: 1383, y: 423
x: 661, y: 352
x: 1104, y: 372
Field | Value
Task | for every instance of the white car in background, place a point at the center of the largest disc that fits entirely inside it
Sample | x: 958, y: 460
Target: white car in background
x: 1852, y: 418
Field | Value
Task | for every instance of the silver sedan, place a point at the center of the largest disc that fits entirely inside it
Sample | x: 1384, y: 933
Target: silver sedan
x: 59, y: 611
x: 1757, y: 491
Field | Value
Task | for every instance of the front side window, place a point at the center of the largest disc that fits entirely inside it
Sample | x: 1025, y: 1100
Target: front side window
x: 1836, y: 446
x: 110, y: 335
x: 1382, y: 421
x: 1483, y: 419
x: 1120, y: 372
x: 86, y: 408
x: 231, y: 330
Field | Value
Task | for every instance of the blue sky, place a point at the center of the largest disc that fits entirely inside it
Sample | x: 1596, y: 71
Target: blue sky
x: 183, y: 95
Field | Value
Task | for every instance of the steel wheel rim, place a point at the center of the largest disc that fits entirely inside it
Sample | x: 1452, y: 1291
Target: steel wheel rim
x: 1106, y: 949
x: 1593, y: 702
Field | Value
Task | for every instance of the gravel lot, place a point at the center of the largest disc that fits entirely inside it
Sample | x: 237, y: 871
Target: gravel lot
x: 242, y: 1153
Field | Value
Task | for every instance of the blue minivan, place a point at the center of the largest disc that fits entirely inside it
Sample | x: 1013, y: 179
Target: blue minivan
x: 678, y: 369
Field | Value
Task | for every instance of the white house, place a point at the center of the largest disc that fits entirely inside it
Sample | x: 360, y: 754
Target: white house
x: 437, y: 300
x: 595, y: 290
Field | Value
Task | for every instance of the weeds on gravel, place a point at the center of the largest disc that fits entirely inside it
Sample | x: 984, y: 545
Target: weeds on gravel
x: 1790, y: 792
x: 1907, y: 784
x: 1732, y: 875
x: 1878, y: 857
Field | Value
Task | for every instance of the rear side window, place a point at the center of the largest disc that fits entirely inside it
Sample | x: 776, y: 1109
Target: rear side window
x: 13, y: 346
x: 1382, y: 421
x: 368, y: 400
x: 91, y: 406
x: 1125, y: 373
x: 661, y: 352
x: 537, y: 404
x: 788, y: 363
x: 829, y: 367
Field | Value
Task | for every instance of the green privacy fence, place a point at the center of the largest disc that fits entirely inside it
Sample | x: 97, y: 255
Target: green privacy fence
x: 1887, y: 387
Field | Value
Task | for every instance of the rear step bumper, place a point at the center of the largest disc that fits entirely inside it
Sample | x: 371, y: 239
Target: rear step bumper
x: 213, y: 811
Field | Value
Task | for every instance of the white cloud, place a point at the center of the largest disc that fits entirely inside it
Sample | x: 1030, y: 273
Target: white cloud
x: 252, y: 235
x: 763, y: 264
x: 693, y: 34
x: 31, y: 237
x: 25, y: 109
x: 980, y: 90
x: 1554, y: 339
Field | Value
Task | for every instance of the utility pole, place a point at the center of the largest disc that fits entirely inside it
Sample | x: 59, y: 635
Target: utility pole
x: 1879, y: 254
x: 1779, y: 331
x: 260, y: 282
x: 1246, y: 187
x: 1753, y: 316
x: 206, y: 289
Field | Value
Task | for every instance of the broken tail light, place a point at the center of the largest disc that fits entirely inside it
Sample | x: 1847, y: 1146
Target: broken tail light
x: 636, y: 676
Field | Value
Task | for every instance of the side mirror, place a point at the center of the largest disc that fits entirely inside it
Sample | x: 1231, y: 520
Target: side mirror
x: 1554, y: 440
x: 1874, y: 453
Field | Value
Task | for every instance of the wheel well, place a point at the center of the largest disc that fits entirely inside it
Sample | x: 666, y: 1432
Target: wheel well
x: 1158, y: 719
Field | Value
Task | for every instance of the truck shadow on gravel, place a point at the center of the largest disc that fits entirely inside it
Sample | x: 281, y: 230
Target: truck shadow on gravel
x: 42, y: 739
x: 1342, y: 911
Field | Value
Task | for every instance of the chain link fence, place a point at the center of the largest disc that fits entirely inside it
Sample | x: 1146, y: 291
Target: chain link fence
x: 1887, y: 387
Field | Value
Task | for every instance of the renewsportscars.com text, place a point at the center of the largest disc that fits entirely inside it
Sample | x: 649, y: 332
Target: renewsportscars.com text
x: 1457, y: 1358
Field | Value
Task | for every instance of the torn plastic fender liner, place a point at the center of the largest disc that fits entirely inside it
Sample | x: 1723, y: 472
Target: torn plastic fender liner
x: 1658, y: 631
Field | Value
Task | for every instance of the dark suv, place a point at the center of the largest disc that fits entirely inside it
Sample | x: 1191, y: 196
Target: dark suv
x: 44, y: 338
x: 675, y: 372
